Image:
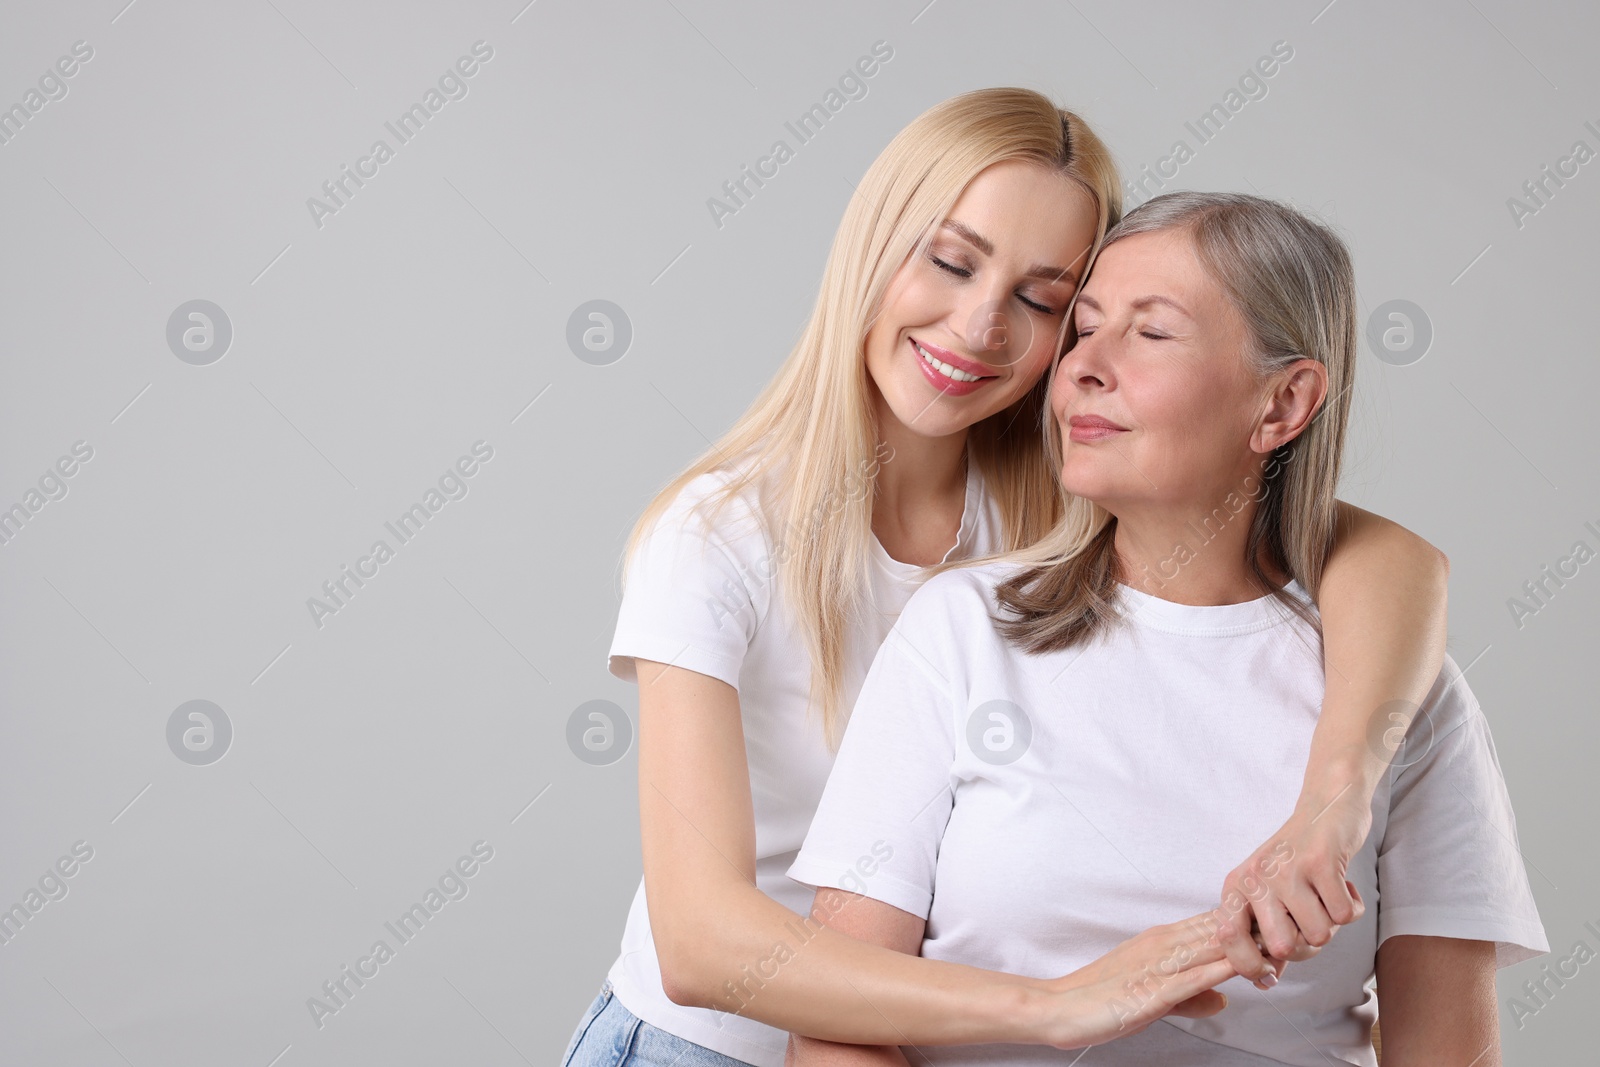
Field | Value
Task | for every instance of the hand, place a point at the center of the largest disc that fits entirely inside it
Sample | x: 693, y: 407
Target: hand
x: 1252, y: 959
x: 1292, y: 890
x: 1166, y: 970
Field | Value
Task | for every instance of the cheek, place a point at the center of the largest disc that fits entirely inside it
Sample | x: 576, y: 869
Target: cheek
x: 879, y: 337
x: 1029, y: 369
x: 1173, y: 404
x: 901, y: 310
x: 1045, y: 350
x: 1060, y: 391
x: 911, y: 293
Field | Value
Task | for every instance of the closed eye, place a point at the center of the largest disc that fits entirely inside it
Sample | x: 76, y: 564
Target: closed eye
x: 1086, y: 331
x: 962, y: 272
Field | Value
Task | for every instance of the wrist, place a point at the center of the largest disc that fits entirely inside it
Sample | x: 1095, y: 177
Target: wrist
x: 1350, y: 776
x: 1050, y: 1012
x: 1020, y: 1013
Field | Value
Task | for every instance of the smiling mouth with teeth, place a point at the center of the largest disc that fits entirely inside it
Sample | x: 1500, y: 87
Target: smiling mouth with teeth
x: 953, y: 373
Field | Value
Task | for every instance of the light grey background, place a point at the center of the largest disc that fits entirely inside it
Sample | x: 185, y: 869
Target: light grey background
x: 431, y: 312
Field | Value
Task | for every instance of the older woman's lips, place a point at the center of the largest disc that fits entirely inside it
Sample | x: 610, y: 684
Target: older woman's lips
x: 1092, y: 428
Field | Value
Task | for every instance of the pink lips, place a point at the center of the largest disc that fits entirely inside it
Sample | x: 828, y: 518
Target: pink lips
x: 949, y: 386
x: 1093, y: 428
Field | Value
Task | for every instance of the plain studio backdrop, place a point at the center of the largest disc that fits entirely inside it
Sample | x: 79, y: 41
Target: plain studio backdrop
x: 242, y: 345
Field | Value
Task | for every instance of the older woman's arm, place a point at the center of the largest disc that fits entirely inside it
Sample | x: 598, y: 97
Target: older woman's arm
x: 877, y: 923
x: 1382, y: 602
x: 1436, y: 1001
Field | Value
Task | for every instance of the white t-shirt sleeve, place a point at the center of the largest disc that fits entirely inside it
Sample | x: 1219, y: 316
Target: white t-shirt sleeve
x: 888, y: 798
x: 1449, y: 864
x: 693, y: 594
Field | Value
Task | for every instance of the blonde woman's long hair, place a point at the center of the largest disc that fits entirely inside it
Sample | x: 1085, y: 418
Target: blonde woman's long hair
x: 1291, y: 279
x: 814, y: 422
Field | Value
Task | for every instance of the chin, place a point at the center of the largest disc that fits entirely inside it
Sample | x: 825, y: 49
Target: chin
x: 935, y: 417
x: 1089, y: 484
x: 930, y: 422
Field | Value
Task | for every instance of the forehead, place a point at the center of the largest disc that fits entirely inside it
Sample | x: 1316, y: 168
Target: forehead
x: 1161, y: 261
x: 1023, y: 206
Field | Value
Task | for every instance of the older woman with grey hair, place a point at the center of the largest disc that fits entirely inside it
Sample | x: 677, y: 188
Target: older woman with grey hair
x: 1070, y: 741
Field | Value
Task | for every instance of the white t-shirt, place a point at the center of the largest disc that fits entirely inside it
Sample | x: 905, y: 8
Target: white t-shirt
x: 1039, y: 810
x: 710, y: 601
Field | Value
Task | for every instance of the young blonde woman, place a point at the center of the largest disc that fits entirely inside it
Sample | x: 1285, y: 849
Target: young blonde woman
x: 1150, y: 721
x: 904, y: 431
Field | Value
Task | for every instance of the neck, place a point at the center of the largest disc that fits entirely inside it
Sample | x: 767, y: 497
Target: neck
x: 919, y: 470
x: 1191, y: 555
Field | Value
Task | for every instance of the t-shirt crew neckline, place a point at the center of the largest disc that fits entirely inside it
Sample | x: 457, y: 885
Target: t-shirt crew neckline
x: 1211, y: 620
x: 970, y: 508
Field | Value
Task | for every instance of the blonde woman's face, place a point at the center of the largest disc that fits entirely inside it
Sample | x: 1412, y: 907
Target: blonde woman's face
x: 988, y: 300
x: 1161, y: 356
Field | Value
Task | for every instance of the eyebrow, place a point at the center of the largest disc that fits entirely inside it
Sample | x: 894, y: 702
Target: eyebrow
x: 1142, y: 302
x: 1038, y: 270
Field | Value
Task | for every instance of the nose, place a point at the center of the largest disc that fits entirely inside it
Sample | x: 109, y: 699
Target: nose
x: 995, y: 333
x: 987, y: 331
x: 1086, y: 364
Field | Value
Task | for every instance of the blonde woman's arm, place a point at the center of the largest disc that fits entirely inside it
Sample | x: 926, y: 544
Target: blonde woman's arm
x: 1382, y: 602
x: 883, y: 924
x: 876, y: 923
x: 717, y: 935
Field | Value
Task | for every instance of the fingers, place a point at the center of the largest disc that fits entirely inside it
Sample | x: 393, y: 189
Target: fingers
x: 1193, y: 939
x: 1306, y: 911
x: 1201, y: 1005
x: 1303, y: 916
x: 1278, y: 931
x: 1163, y: 969
x: 1187, y: 986
x: 1302, y: 952
x: 1344, y: 891
x: 1340, y: 898
x: 1244, y: 955
x: 1180, y: 993
x: 1238, y: 918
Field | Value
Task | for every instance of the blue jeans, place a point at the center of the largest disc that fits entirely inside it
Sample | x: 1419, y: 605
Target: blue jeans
x: 610, y: 1035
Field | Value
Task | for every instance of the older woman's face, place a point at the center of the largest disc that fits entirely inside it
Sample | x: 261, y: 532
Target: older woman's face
x: 1155, y: 401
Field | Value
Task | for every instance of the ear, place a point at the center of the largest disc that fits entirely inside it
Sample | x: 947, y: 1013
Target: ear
x: 1295, y: 398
